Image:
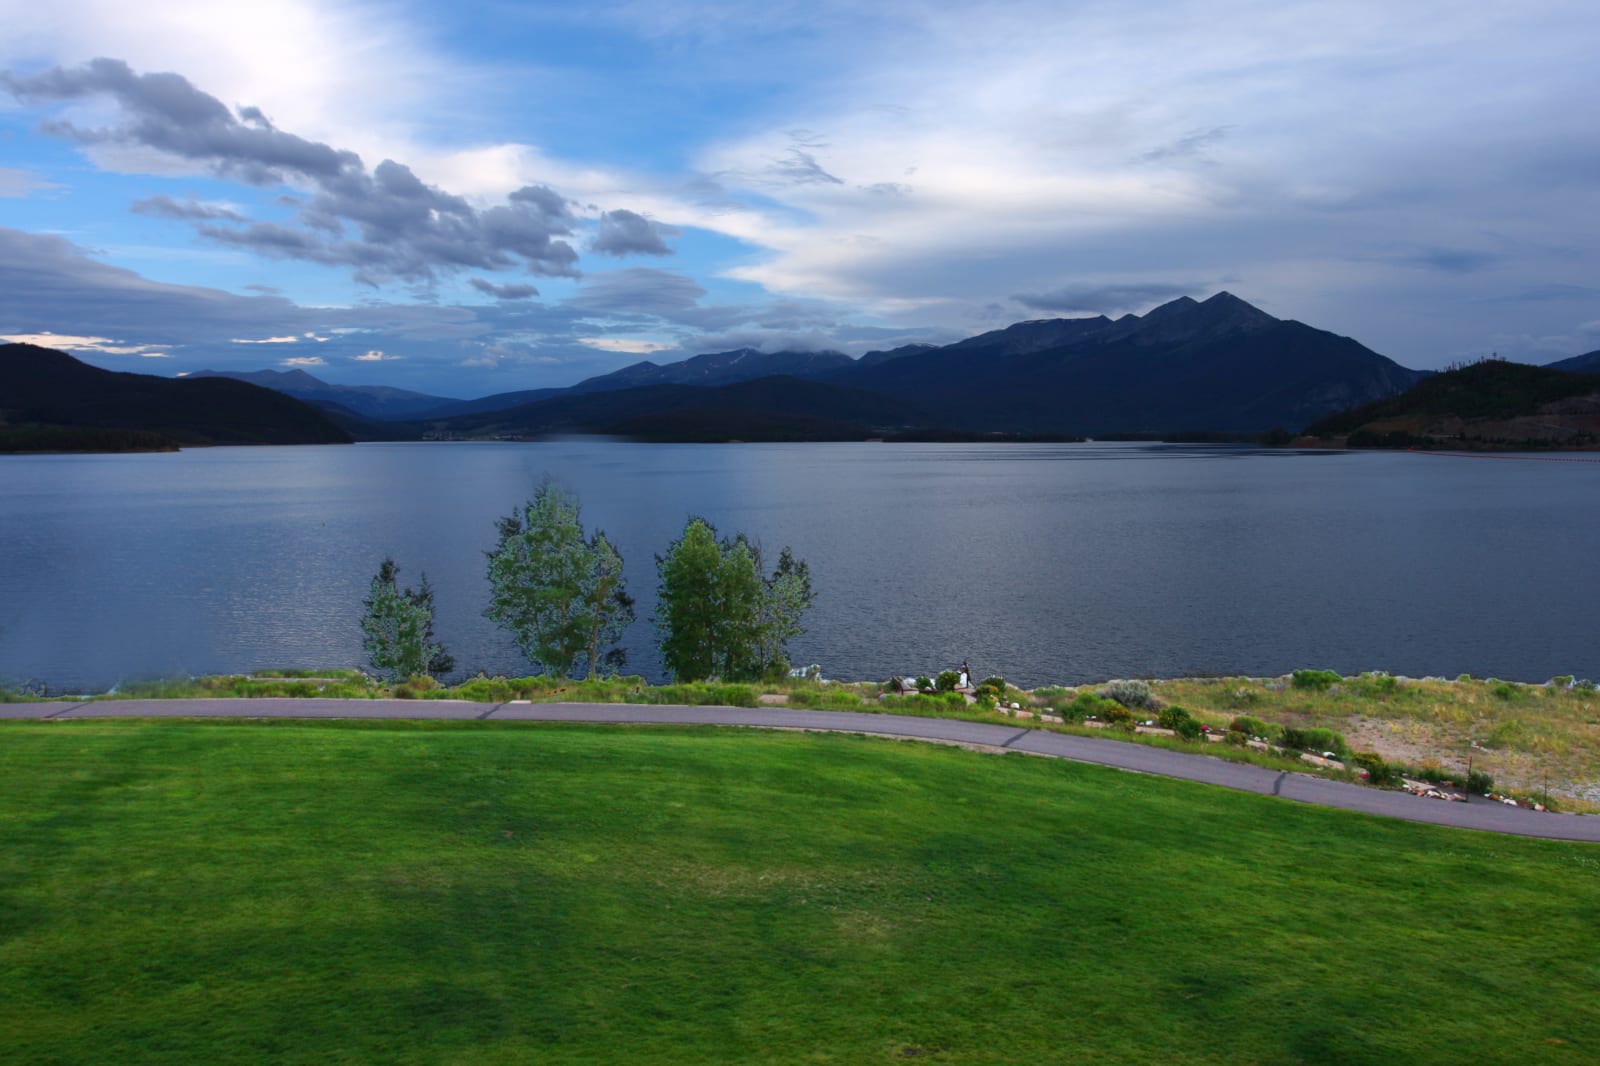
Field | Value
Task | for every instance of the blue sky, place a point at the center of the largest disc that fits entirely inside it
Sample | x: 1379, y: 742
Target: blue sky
x: 477, y: 197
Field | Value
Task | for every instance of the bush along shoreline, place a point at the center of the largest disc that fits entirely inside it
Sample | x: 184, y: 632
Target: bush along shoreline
x: 1534, y: 745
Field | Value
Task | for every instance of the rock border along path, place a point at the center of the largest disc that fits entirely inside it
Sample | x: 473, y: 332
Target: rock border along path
x: 1481, y: 814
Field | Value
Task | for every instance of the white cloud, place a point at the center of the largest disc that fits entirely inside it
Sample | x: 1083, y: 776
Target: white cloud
x: 16, y: 184
x: 103, y: 345
x: 625, y: 344
x: 374, y: 356
x: 266, y: 340
x: 303, y: 360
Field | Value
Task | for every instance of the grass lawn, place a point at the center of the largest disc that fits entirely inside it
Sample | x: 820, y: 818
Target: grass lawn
x: 314, y: 892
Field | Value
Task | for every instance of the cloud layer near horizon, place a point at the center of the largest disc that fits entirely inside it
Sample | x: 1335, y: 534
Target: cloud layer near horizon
x: 1419, y: 177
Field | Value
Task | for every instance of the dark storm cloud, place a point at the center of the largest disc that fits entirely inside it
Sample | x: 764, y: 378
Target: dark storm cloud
x: 187, y: 211
x: 503, y: 292
x: 1101, y: 299
x: 625, y: 233
x: 384, y: 225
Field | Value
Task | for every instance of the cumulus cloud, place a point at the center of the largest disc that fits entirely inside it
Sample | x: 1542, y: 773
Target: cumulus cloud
x: 385, y: 224
x: 163, y: 111
x: 626, y: 233
x: 1103, y: 299
x: 374, y: 356
x: 303, y: 360
x: 512, y: 291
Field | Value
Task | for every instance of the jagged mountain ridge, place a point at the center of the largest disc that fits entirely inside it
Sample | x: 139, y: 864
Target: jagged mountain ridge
x: 1220, y: 364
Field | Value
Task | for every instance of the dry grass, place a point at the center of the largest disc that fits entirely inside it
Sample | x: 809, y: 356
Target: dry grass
x: 1518, y: 733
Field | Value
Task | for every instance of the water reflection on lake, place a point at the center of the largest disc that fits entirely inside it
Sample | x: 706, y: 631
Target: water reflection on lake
x: 1050, y: 562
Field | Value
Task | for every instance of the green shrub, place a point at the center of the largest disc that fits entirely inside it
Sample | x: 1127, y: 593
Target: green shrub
x: 703, y: 694
x: 1479, y: 783
x: 1129, y: 694
x: 1561, y: 681
x: 1084, y: 705
x: 415, y: 687
x: 998, y: 683
x: 947, y: 681
x: 1584, y: 685
x: 988, y: 692
x: 1118, y: 716
x: 924, y: 684
x: 1180, y: 721
x: 1379, y: 773
x: 1236, y: 738
x: 1378, y: 685
x: 1505, y: 691
x: 1253, y: 727
x: 1315, y: 680
x: 1317, y: 740
x: 484, y: 690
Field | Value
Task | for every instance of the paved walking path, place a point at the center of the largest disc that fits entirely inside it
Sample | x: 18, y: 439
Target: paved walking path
x: 1480, y: 814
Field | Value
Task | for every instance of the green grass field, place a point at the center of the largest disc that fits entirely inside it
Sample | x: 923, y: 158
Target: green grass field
x: 299, y: 892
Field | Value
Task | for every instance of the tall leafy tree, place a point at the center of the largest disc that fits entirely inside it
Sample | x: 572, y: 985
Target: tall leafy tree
x: 560, y: 594
x: 689, y: 602
x: 786, y: 594
x: 397, y: 628
x: 716, y: 612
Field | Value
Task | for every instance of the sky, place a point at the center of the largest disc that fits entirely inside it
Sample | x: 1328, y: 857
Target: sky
x: 479, y: 197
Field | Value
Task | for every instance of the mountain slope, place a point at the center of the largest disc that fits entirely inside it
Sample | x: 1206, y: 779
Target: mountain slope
x: 1218, y: 365
x: 369, y: 401
x: 1588, y: 363
x: 44, y: 387
x: 764, y: 409
x: 719, y: 368
x: 1492, y: 404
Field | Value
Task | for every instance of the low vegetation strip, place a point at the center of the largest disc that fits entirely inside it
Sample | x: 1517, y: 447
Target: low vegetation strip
x: 294, y: 891
x: 1539, y: 744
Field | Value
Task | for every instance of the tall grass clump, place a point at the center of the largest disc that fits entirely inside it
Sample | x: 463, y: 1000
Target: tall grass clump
x: 1314, y: 680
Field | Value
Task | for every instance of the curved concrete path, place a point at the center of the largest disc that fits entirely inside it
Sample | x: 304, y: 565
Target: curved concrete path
x: 1481, y: 814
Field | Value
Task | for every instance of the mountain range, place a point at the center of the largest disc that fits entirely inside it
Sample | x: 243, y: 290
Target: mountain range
x: 51, y: 401
x: 1218, y: 366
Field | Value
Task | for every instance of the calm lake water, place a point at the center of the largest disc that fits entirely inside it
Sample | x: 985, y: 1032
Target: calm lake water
x: 1043, y: 563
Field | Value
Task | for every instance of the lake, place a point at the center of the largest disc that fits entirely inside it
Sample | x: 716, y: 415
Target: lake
x: 1042, y: 563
